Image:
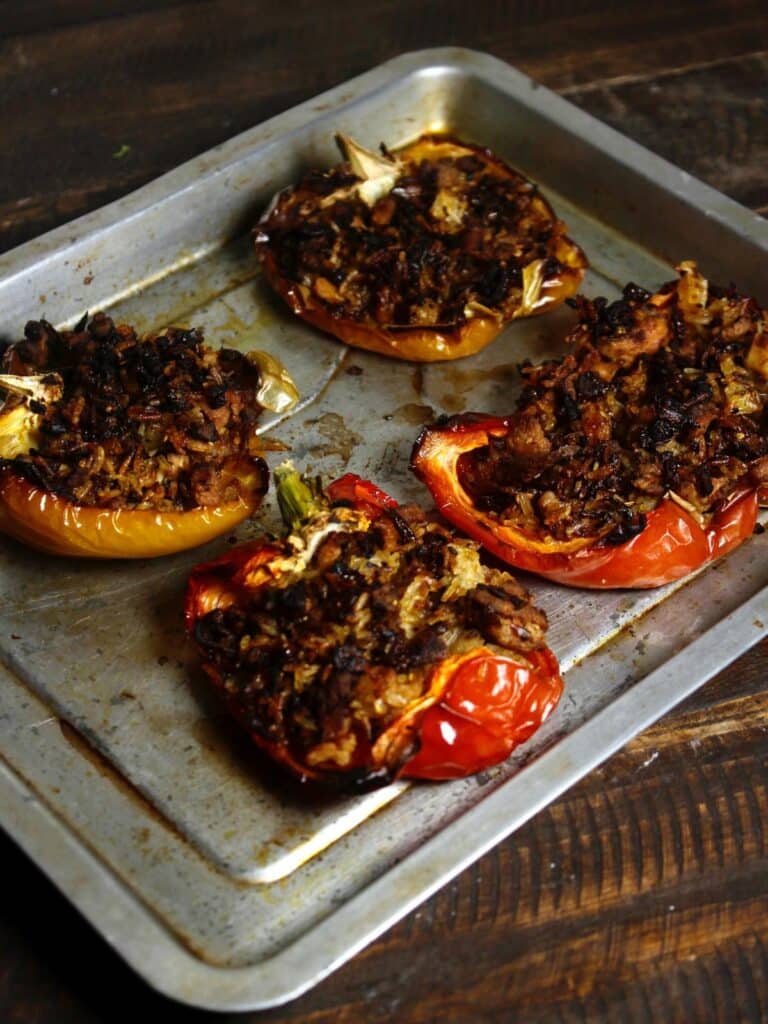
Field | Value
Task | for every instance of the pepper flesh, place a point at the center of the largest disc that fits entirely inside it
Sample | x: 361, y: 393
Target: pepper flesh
x: 474, y: 708
x: 488, y: 706
x: 52, y: 524
x: 671, y: 546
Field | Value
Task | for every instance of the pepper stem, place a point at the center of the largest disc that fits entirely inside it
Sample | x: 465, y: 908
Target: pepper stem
x: 364, y: 163
x: 299, y: 498
x: 377, y: 174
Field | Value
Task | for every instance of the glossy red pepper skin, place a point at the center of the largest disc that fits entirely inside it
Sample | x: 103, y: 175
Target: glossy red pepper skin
x: 671, y: 546
x: 353, y: 490
x: 489, y: 706
x: 476, y: 708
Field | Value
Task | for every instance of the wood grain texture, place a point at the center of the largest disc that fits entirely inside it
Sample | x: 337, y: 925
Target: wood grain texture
x: 642, y: 894
x: 710, y: 119
x: 91, y: 109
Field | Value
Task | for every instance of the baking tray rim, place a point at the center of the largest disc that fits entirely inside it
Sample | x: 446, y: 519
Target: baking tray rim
x: 116, y: 912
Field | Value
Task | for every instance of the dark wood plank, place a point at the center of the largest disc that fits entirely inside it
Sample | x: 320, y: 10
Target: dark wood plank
x: 89, y: 112
x: 39, y: 16
x: 712, y: 120
x: 640, y: 895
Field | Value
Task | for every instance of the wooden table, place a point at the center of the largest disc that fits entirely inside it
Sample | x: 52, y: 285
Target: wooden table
x: 642, y: 894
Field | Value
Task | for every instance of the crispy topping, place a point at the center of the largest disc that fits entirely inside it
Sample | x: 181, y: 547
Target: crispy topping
x: 428, y: 237
x: 663, y: 396
x: 155, y: 423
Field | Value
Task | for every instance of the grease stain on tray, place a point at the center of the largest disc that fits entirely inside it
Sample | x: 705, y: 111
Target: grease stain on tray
x: 412, y: 413
x: 463, y: 382
x: 341, y: 440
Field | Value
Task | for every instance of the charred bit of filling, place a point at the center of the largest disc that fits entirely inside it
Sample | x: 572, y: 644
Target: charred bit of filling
x: 448, y: 241
x: 664, y: 396
x: 143, y: 423
x: 324, y: 661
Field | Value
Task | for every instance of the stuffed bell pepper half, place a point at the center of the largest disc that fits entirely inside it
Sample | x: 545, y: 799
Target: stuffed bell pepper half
x: 371, y: 642
x: 115, y: 446
x: 424, y: 253
x: 632, y: 461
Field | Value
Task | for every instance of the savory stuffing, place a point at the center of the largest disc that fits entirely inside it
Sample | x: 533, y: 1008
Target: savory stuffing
x: 430, y: 236
x: 129, y: 422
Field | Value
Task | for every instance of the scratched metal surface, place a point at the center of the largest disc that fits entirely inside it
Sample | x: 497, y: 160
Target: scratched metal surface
x: 112, y: 741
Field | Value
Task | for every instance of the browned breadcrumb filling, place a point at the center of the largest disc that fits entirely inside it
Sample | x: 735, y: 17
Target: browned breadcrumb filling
x: 452, y: 233
x: 662, y: 396
x: 323, y: 662
x: 143, y: 423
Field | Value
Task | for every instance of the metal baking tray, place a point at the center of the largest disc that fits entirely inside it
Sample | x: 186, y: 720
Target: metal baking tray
x: 223, y: 886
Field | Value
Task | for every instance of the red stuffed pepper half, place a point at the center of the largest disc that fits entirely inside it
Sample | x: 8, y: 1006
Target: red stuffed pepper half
x: 632, y: 461
x: 371, y: 642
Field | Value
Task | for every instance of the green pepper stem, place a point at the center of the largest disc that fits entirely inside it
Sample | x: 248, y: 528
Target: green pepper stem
x: 298, y: 497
